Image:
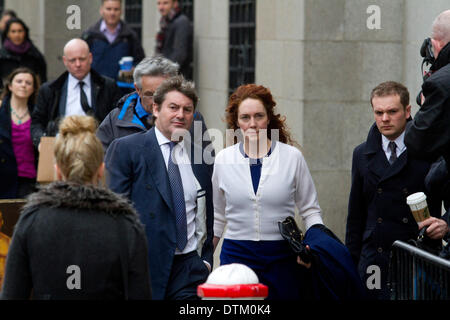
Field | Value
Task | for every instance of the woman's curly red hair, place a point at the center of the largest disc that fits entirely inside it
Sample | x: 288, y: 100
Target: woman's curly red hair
x: 263, y: 94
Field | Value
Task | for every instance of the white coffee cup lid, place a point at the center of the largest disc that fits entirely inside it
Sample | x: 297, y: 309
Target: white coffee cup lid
x: 416, y: 198
x: 126, y: 59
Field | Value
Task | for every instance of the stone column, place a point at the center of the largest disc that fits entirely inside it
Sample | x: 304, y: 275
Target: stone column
x: 211, y: 60
x: 150, y: 26
x: 344, y: 60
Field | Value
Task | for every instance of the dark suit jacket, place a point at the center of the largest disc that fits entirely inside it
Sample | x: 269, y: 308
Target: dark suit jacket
x: 377, y: 212
x: 136, y: 169
x: 51, y: 103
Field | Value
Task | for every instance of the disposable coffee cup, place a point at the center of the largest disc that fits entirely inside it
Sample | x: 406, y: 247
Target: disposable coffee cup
x: 126, y: 63
x: 418, y: 204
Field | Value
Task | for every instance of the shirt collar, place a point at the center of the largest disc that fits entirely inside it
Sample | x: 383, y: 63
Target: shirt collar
x: 400, y: 142
x: 73, y: 82
x: 141, y: 112
x: 104, y: 28
x: 163, y: 140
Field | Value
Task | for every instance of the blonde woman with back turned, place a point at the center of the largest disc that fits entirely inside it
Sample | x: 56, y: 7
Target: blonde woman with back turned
x: 75, y: 240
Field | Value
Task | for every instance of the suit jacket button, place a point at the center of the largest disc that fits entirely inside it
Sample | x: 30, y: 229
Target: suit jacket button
x: 380, y: 191
x: 405, y: 220
x: 380, y: 220
x: 380, y: 250
x: 3, y: 160
x: 149, y: 187
x: 405, y: 190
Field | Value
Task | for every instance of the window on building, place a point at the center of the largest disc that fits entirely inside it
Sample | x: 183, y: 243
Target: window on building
x: 242, y: 43
x: 133, y: 16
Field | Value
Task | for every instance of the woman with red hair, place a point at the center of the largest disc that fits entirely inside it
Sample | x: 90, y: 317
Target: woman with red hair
x: 257, y: 182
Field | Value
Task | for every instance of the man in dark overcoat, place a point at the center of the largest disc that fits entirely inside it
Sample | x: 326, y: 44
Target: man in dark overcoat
x: 383, y: 175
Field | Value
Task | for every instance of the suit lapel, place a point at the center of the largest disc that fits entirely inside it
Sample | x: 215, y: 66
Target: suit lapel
x: 379, y: 164
x: 157, y: 167
x: 396, y: 167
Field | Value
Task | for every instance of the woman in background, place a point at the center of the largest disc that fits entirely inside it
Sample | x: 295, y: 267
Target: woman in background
x: 256, y: 183
x: 75, y: 240
x: 18, y: 157
x: 19, y: 51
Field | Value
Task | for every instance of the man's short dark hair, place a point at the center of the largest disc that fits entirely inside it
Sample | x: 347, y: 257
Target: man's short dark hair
x: 177, y: 83
x: 389, y: 88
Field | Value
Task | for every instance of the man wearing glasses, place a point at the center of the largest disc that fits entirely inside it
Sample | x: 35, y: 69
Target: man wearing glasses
x: 134, y: 111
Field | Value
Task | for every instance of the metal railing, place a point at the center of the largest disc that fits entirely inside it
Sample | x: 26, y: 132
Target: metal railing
x: 415, y: 274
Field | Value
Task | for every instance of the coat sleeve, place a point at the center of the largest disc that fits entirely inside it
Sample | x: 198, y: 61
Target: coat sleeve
x: 181, y: 43
x: 357, y: 211
x: 105, y: 131
x: 139, y: 286
x: 428, y: 136
x: 306, y: 194
x: 219, y: 203
x: 119, y: 168
x: 40, y: 115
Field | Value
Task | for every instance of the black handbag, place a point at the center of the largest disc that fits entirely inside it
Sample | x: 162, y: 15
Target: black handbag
x: 294, y: 236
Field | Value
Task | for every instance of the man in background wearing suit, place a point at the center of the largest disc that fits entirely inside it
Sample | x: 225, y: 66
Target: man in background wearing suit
x: 78, y: 91
x: 383, y: 175
x: 171, y: 193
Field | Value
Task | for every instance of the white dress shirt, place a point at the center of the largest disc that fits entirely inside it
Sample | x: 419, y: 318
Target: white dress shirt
x: 189, y: 186
x: 111, y: 36
x: 285, y: 183
x: 400, y: 142
x: 73, y: 103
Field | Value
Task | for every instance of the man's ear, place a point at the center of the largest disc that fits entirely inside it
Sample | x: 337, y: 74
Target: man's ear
x: 155, y: 109
x: 408, y: 111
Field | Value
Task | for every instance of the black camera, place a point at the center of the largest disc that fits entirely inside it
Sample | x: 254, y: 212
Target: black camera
x: 426, y: 51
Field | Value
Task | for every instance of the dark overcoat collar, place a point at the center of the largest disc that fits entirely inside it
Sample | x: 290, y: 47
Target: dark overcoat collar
x: 378, y: 164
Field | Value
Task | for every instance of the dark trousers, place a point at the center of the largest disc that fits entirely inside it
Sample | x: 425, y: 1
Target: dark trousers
x: 188, y: 272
